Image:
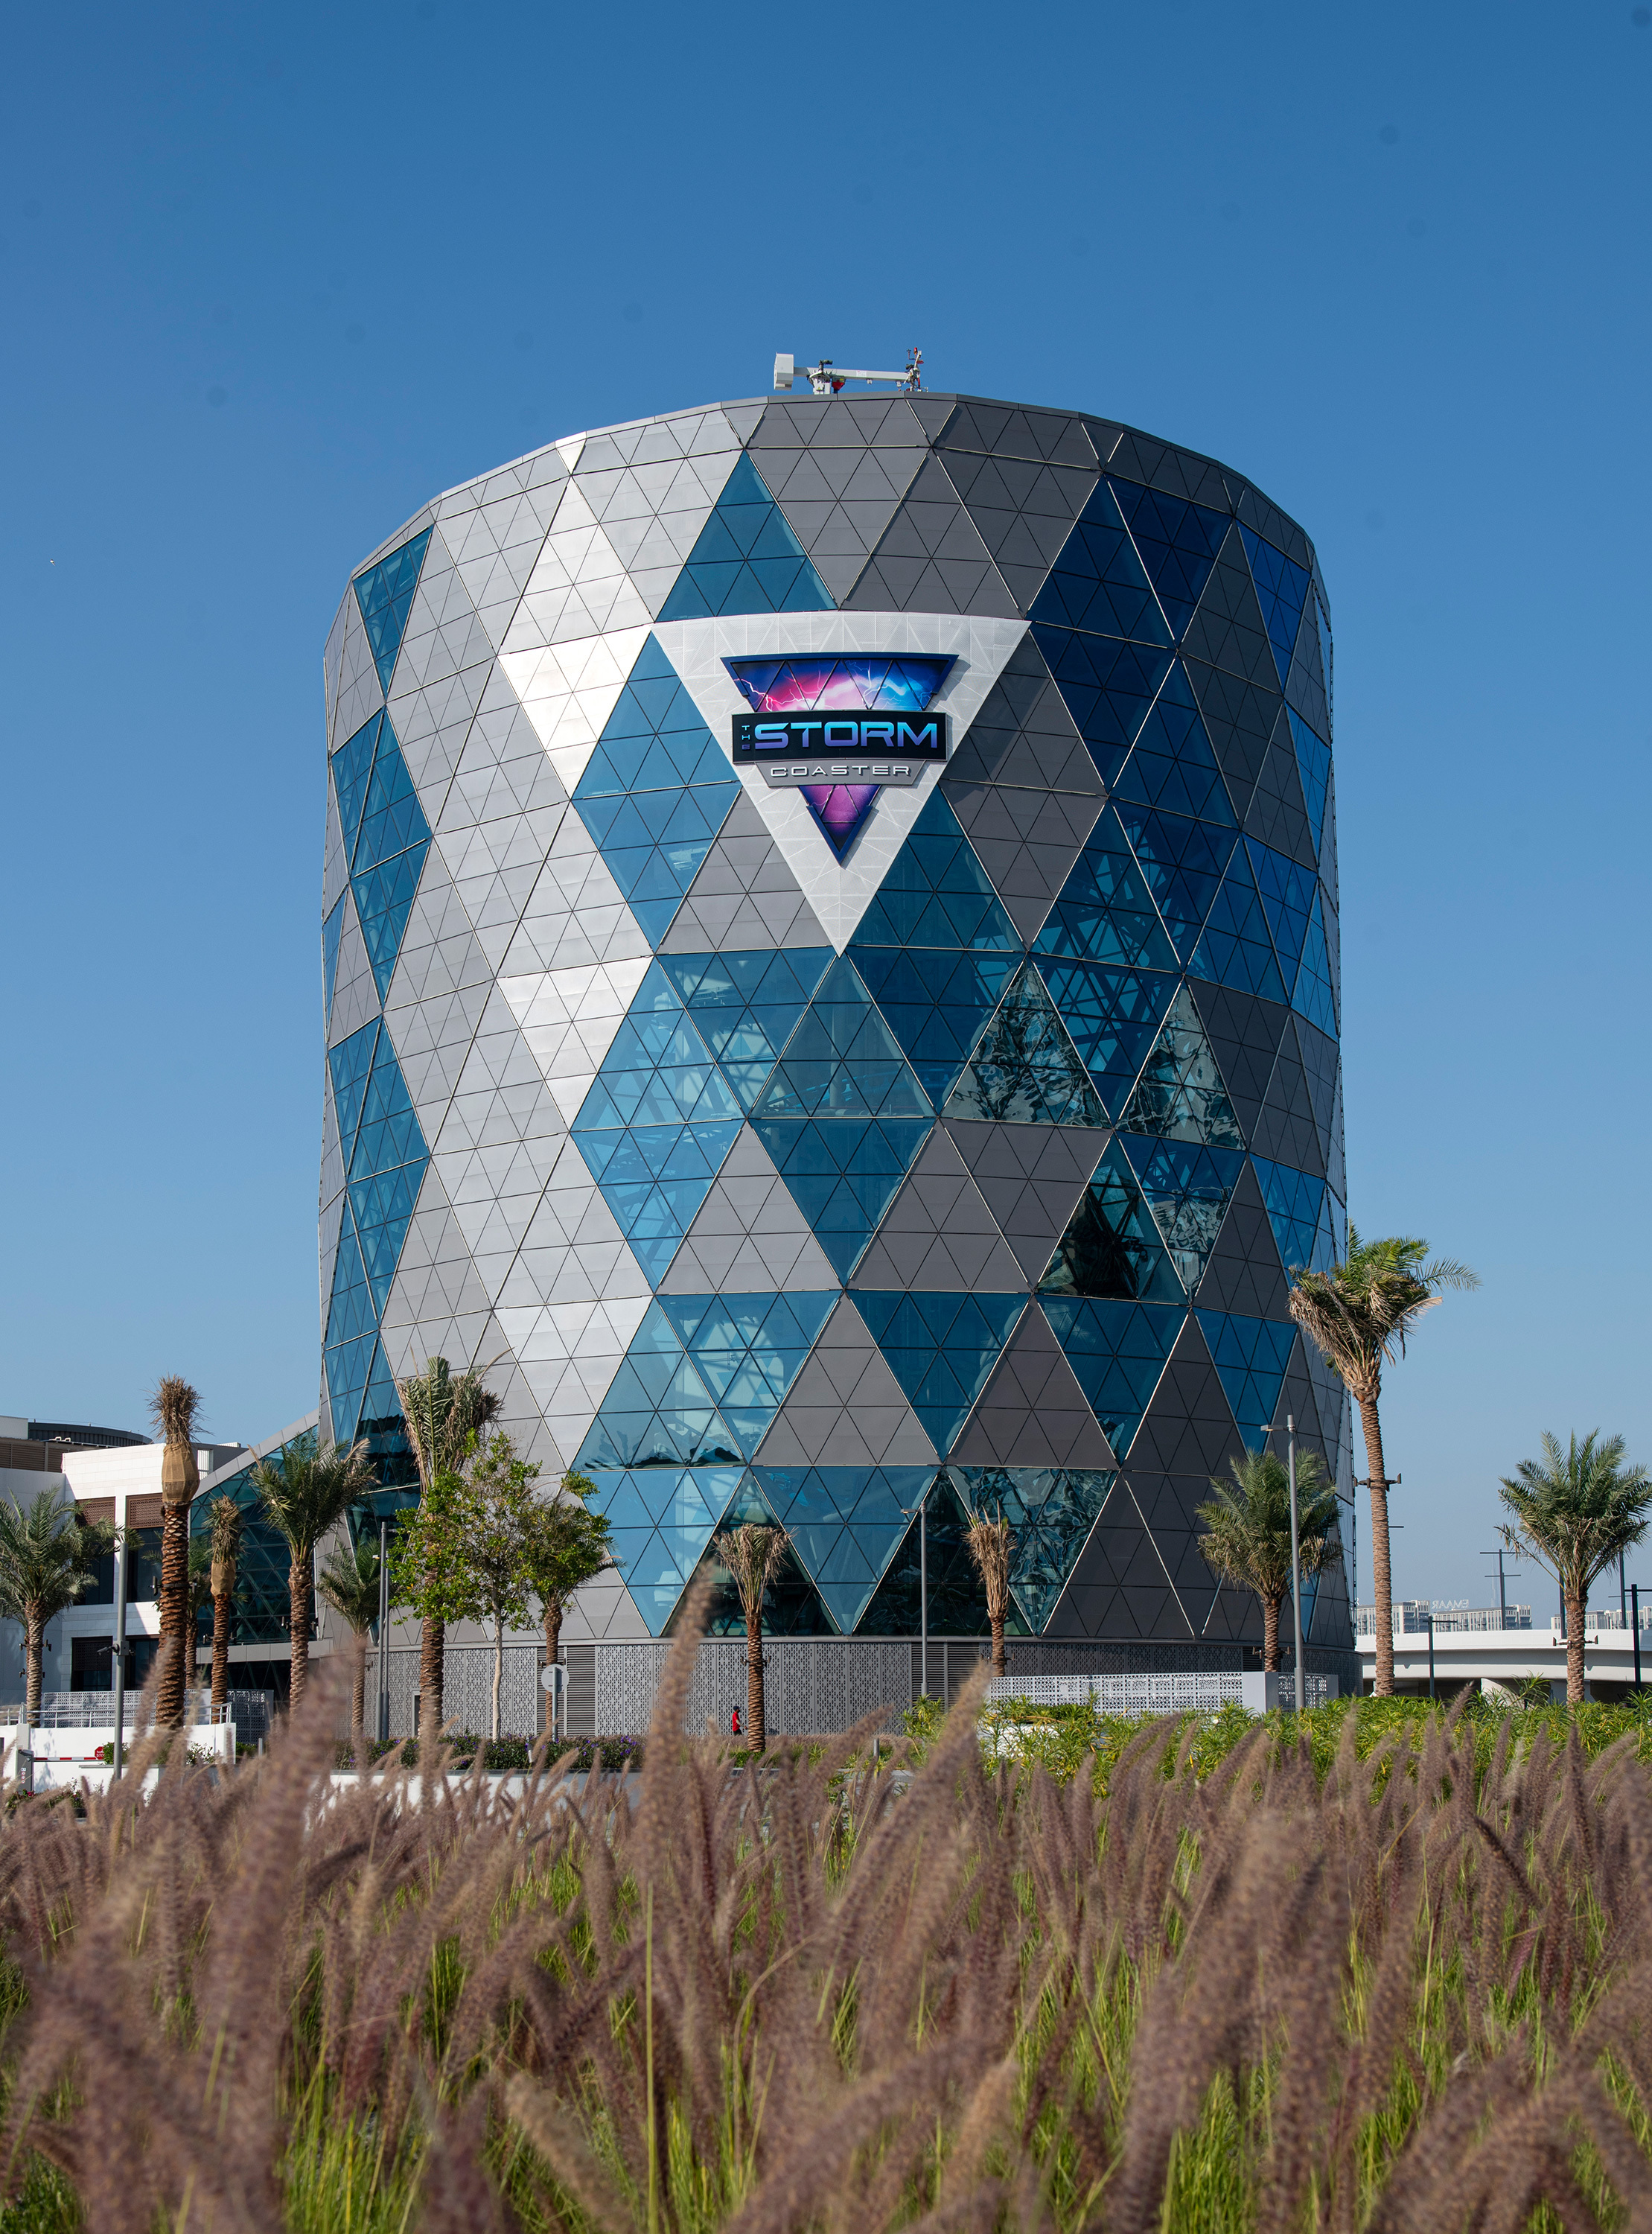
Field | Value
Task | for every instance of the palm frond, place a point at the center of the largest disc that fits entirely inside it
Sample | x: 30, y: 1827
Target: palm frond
x: 173, y: 1408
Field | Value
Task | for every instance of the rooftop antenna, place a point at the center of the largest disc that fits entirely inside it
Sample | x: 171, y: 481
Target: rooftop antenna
x: 827, y: 378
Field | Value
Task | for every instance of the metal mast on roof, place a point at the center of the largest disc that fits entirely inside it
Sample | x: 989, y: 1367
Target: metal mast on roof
x: 827, y: 378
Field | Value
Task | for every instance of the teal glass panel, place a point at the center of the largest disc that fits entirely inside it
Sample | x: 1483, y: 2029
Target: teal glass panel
x: 392, y: 819
x: 1288, y: 891
x: 385, y: 1432
x: 1312, y: 996
x: 1026, y: 1069
x: 383, y: 902
x: 1330, y: 1236
x: 935, y: 892
x: 383, y: 1207
x: 1235, y: 948
x: 748, y: 1349
x: 746, y: 559
x: 352, y: 769
x: 935, y: 1003
x: 792, y: 1604
x: 842, y: 1174
x: 1295, y: 1201
x: 329, y: 931
x: 1113, y: 1017
x: 388, y: 1131
x: 1188, y: 1188
x: 1111, y: 1245
x: 941, y: 1348
x: 1105, y: 912
x: 346, y: 1366
x: 654, y: 842
x: 842, y: 1060
x: 846, y: 1524
x: 1183, y: 862
x: 1098, y: 583
x: 1178, y: 541
x: 658, y: 1411
x: 653, y: 1178
x: 1314, y: 766
x: 1281, y: 585
x: 1322, y: 623
x: 958, y: 1604
x: 1052, y: 1511
x: 1117, y: 1351
x: 1251, y: 1356
x: 1180, y: 1095
x: 658, y: 1070
x: 351, y: 1065
x: 384, y: 594
x: 349, y: 1308
x: 654, y: 739
x: 1107, y: 687
x: 746, y: 1004
x: 1172, y: 766
x: 261, y: 1609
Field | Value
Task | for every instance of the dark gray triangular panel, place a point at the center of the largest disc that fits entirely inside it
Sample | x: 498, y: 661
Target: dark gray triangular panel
x: 748, y: 1234
x: 1286, y: 1131
x: 1025, y: 511
x: 1228, y: 631
x: 1277, y: 816
x: 845, y: 1408
x: 743, y: 895
x: 1024, y: 735
x: 1189, y: 1427
x: 939, y: 1233
x: 1031, y: 1177
x: 1032, y: 1412
x: 932, y: 558
x: 1243, y: 1273
x: 1239, y: 719
x: 1244, y: 1032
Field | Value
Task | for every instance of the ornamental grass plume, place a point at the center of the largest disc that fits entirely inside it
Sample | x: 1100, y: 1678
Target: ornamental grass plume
x: 1408, y: 1991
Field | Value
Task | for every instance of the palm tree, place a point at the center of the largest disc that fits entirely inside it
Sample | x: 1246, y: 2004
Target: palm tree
x: 47, y: 1555
x: 306, y: 1492
x: 992, y: 1546
x: 173, y: 1406
x: 1573, y: 1514
x: 350, y: 1583
x: 445, y: 1414
x: 1247, y: 1530
x: 567, y: 1545
x: 227, y: 1553
x: 1359, y: 1315
x: 752, y: 1554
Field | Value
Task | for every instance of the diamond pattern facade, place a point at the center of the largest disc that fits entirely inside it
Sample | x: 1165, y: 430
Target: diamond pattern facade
x: 963, y: 1159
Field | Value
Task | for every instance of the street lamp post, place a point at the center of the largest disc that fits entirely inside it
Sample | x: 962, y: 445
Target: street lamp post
x: 1295, y: 1563
x: 118, y: 1671
x: 382, y: 1718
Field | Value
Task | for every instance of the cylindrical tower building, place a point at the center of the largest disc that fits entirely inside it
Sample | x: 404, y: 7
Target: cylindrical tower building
x: 831, y: 993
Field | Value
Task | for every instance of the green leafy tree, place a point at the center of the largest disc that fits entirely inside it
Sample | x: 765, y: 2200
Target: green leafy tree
x: 445, y: 1414
x: 226, y: 1540
x: 348, y: 1581
x: 1574, y: 1511
x: 1359, y: 1316
x: 1247, y: 1530
x: 752, y: 1554
x: 306, y: 1492
x: 48, y: 1555
x: 430, y: 1571
x: 497, y: 1551
x: 567, y: 1545
x: 174, y: 1406
x: 991, y: 1545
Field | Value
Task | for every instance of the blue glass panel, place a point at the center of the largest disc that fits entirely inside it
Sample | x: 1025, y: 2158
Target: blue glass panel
x: 1314, y: 766
x: 1105, y: 686
x: 1180, y: 1095
x: 653, y: 1178
x: 658, y: 1411
x: 1294, y: 1200
x: 1234, y: 947
x: 935, y: 892
x: 1113, y: 1017
x: 1178, y: 541
x: 1052, y: 1511
x: 383, y: 903
x: 941, y: 1349
x: 1097, y: 582
x: 1188, y: 1188
x: 1312, y: 996
x: 1025, y: 1070
x: 936, y: 1004
x: 748, y: 1349
x: 351, y: 1065
x: 1172, y: 765
x: 384, y: 593
x: 659, y: 1068
x: 392, y: 819
x: 746, y: 1003
x: 746, y: 559
x: 1251, y: 1356
x: 1182, y: 862
x: 389, y: 1132
x: 1330, y: 1236
x: 383, y: 1207
x: 1281, y: 586
x: 842, y: 1061
x: 846, y: 1522
x: 329, y: 931
x: 347, y: 1368
x: 1322, y: 625
x: 1287, y: 892
x: 654, y: 842
x: 349, y: 1308
x: 654, y: 739
x: 1105, y: 912
x: 842, y: 1174
x: 352, y: 766
x: 1117, y: 1350
x: 1111, y: 1245
x: 683, y: 1506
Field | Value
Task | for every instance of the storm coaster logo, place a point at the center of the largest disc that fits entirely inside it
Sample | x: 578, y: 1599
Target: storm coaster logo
x: 839, y: 728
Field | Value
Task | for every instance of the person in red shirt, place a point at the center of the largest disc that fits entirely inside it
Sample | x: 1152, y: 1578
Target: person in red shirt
x: 733, y: 1722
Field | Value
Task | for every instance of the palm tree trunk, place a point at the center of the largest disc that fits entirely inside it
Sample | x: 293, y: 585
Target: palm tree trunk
x: 432, y: 1647
x: 298, y: 1599
x: 358, y: 1704
x: 192, y: 1648
x: 1382, y: 1571
x: 175, y: 1575
x: 221, y: 1649
x: 1000, y: 1657
x: 1576, y: 1612
x: 36, y: 1647
x: 499, y: 1669
x: 756, y: 1735
x: 1270, y: 1635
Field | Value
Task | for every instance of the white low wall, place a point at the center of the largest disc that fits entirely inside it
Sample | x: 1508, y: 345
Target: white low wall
x: 62, y: 1758
x: 1204, y: 1693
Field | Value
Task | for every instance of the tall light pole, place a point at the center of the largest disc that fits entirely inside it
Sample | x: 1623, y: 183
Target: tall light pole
x: 118, y: 1671
x: 1295, y: 1562
x: 383, y: 1717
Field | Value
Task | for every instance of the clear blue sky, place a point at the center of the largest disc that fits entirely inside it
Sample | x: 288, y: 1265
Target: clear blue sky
x: 273, y: 277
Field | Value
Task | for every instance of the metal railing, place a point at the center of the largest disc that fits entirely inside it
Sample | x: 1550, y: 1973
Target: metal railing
x: 1411, y: 1619
x: 250, y: 1711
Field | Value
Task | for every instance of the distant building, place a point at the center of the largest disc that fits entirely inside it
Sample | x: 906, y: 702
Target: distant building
x: 1497, y: 1649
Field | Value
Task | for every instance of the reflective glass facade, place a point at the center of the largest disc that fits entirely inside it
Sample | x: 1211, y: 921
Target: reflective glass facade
x: 786, y: 1153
